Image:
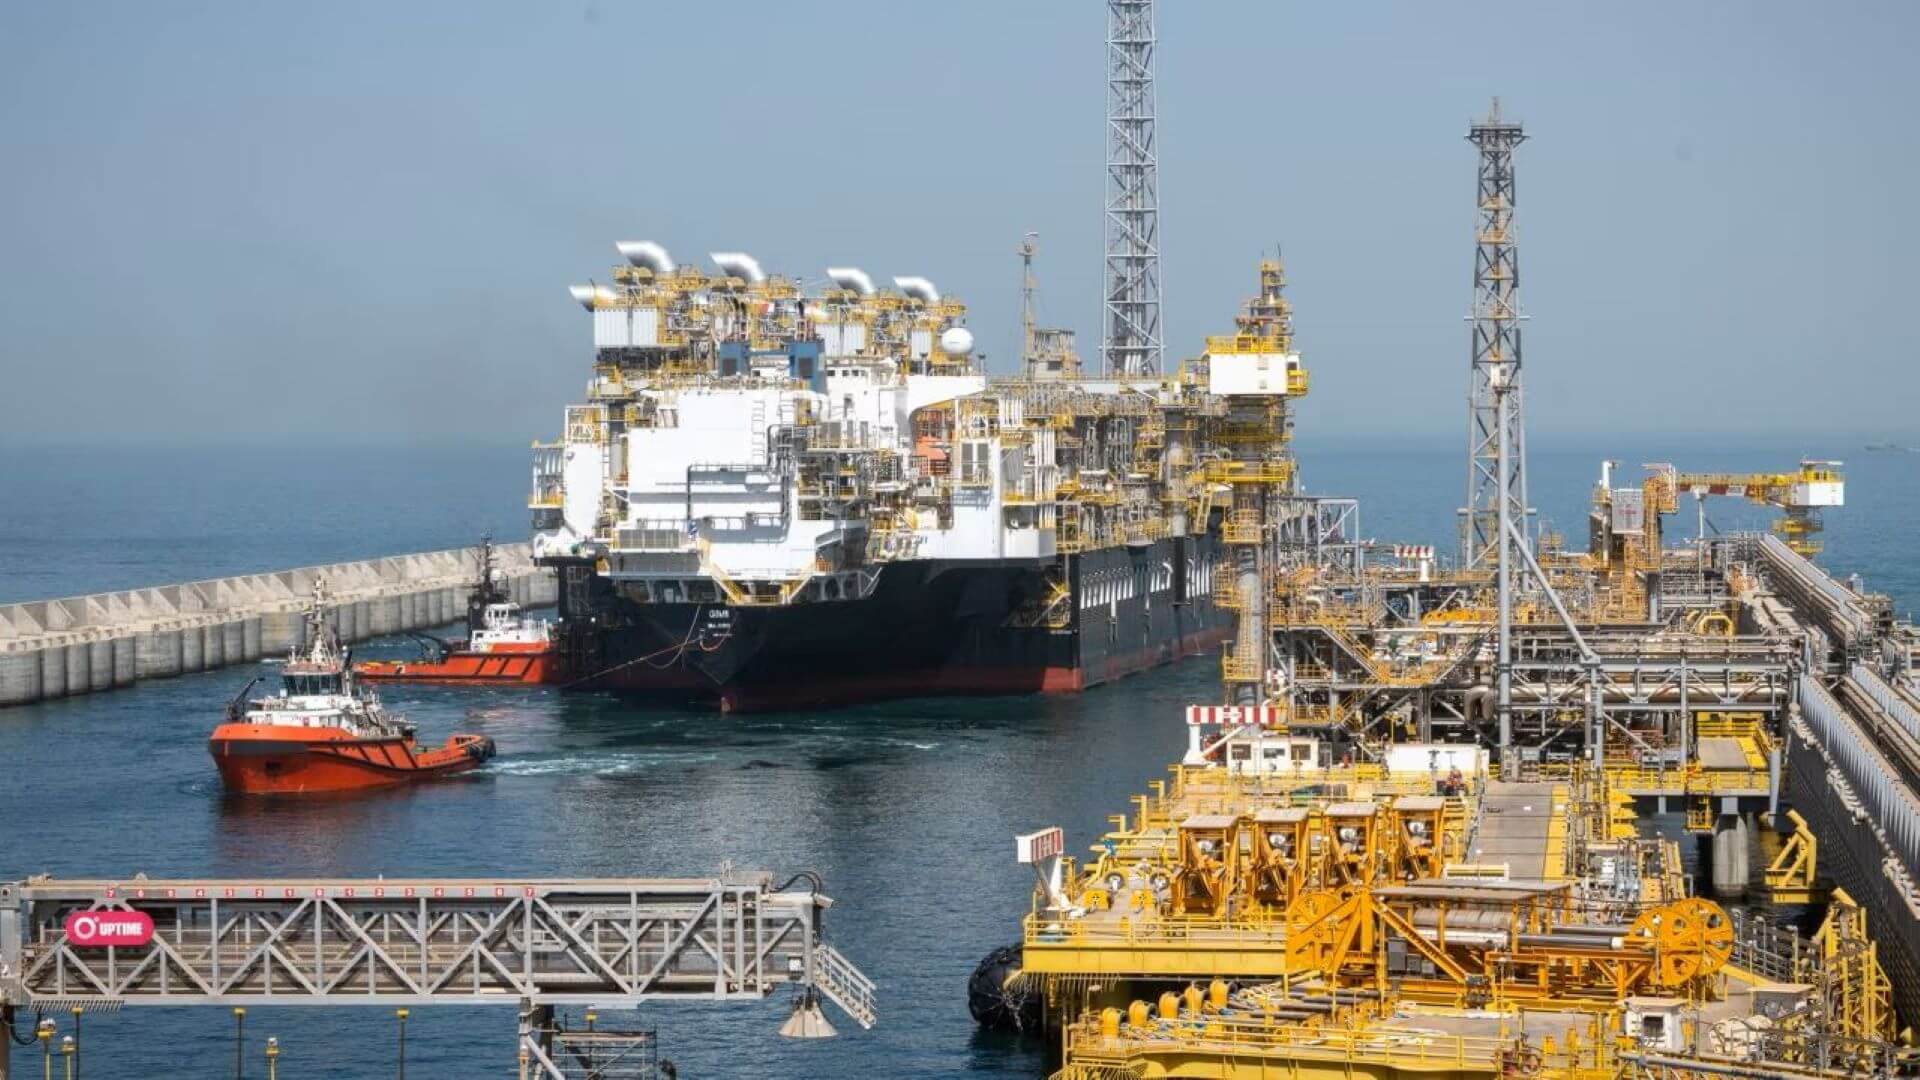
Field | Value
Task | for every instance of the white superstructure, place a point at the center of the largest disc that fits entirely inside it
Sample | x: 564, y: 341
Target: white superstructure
x: 741, y: 434
x: 745, y: 442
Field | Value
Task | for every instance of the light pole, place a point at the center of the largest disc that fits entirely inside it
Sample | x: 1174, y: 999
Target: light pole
x: 68, y: 1048
x: 401, y: 1015
x: 273, y: 1058
x: 77, y: 1010
x: 239, y: 1042
x: 44, y: 1032
x: 1498, y: 376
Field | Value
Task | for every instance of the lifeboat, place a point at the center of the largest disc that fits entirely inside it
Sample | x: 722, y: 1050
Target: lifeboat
x: 325, y: 731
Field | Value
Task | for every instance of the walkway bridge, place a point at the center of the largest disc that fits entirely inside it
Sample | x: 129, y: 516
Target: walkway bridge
x: 528, y: 943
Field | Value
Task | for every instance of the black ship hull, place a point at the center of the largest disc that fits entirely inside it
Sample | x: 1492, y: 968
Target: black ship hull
x: 927, y: 626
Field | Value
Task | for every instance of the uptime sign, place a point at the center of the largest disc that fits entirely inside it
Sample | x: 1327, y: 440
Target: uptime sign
x: 109, y: 929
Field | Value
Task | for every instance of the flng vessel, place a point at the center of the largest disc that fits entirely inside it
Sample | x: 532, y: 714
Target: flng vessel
x: 772, y: 498
x: 325, y: 731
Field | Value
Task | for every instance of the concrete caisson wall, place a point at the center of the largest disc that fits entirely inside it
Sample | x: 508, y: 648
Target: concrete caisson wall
x: 53, y: 670
x: 85, y: 644
x: 19, y: 676
x: 100, y: 664
x: 79, y: 668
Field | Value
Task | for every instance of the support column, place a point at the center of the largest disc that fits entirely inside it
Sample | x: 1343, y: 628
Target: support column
x: 1731, y: 866
x: 1503, y: 579
x: 536, y: 1041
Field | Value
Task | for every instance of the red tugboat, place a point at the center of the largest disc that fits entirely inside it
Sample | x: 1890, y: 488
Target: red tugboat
x: 326, y: 732
x: 503, y: 645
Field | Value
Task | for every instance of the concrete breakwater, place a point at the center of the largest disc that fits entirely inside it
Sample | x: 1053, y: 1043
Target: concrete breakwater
x: 84, y: 644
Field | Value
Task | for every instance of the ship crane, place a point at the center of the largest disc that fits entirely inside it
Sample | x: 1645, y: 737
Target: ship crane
x: 1799, y: 495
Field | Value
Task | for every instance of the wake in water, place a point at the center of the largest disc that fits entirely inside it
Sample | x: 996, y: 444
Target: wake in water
x: 610, y: 763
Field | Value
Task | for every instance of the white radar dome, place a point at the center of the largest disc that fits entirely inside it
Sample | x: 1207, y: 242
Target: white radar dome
x: 956, y: 341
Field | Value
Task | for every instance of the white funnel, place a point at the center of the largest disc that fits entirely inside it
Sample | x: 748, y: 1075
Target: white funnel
x: 739, y: 264
x: 852, y: 278
x: 919, y: 288
x: 589, y: 296
x: 646, y: 253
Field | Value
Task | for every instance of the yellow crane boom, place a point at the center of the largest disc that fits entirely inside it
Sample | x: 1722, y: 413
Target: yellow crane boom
x: 1800, y: 495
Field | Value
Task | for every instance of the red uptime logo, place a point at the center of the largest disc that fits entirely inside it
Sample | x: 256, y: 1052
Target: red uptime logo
x: 107, y: 929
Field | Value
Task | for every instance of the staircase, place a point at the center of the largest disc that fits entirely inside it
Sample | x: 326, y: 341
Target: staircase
x: 843, y: 984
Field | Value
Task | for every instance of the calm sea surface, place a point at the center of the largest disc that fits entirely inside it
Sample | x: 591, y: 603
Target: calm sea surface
x: 906, y: 809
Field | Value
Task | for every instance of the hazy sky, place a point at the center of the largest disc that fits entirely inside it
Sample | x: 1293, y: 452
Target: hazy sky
x: 358, y: 221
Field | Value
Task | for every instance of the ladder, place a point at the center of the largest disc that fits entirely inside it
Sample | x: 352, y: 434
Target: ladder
x: 757, y: 456
x: 843, y: 984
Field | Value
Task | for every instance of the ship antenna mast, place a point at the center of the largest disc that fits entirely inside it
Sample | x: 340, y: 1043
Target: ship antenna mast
x: 1131, y: 344
x: 1028, y: 249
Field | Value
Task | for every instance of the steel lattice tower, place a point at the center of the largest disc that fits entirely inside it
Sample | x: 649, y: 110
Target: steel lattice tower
x: 1131, y: 344
x: 1496, y: 349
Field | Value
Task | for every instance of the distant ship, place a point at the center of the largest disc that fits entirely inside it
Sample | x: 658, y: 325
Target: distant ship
x: 503, y: 644
x: 326, y: 732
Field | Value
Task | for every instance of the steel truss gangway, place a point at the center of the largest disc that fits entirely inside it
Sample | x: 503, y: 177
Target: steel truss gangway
x: 529, y: 943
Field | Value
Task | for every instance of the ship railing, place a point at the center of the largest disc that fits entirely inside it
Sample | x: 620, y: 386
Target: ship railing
x: 1233, y: 1037
x: 1243, y: 527
x: 1243, y: 344
x: 1765, y: 949
x: 1271, y: 471
x: 1311, y: 784
x: 843, y: 984
x: 1692, y: 778
x: 1051, y: 931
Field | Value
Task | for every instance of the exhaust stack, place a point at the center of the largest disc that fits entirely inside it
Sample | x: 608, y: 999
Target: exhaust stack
x: 739, y: 264
x: 919, y: 288
x: 851, y: 278
x: 646, y: 254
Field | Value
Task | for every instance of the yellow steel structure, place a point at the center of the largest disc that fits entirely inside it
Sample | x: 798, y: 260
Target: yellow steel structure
x: 1798, y: 495
x: 1847, y: 966
x: 1365, y: 934
x: 1488, y: 945
x: 1203, y: 878
x: 1793, y: 875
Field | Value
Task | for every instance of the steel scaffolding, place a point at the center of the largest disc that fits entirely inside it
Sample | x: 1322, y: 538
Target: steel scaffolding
x: 1131, y: 344
x: 1496, y: 351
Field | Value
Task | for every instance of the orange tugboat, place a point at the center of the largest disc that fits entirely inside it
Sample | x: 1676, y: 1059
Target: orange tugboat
x: 324, y: 731
x: 502, y: 646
